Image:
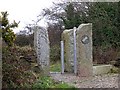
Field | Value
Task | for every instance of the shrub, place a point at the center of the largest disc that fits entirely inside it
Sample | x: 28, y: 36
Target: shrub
x: 24, y: 40
x: 117, y: 63
x: 16, y: 63
x: 104, y: 55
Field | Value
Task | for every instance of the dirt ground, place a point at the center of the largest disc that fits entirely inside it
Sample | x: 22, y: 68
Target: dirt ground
x: 99, y: 81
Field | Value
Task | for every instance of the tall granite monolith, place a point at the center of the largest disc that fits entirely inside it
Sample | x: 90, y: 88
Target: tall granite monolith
x: 67, y: 37
x: 84, y: 50
x: 41, y: 44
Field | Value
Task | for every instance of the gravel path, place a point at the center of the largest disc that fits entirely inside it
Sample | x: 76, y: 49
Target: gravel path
x: 100, y: 81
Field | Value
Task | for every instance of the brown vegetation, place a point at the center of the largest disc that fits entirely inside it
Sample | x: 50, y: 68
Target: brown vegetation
x: 17, y: 66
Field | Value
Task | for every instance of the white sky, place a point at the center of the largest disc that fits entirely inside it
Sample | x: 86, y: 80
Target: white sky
x: 24, y: 10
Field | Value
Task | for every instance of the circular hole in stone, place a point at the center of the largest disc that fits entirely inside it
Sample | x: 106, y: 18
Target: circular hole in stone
x: 85, y: 39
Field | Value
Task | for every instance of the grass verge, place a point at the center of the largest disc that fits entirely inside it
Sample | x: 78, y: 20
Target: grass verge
x: 56, y: 67
x: 47, y: 82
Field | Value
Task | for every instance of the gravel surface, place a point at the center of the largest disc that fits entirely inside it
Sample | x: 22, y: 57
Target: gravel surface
x: 100, y: 81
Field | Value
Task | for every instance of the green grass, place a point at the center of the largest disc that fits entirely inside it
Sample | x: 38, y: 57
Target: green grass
x: 63, y: 85
x: 43, y: 82
x: 47, y: 82
x: 55, y: 67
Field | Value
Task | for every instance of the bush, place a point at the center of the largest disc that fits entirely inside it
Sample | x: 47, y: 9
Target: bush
x: 24, y: 40
x: 16, y: 63
x: 104, y: 55
x: 117, y: 63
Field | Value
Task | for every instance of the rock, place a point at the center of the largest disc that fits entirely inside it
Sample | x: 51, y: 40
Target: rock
x: 41, y: 44
x: 83, y: 50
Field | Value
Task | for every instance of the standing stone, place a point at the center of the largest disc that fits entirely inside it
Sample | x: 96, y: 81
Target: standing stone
x: 83, y: 50
x: 67, y: 37
x: 41, y: 44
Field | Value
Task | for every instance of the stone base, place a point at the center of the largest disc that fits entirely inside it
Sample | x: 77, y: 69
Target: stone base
x: 101, y: 69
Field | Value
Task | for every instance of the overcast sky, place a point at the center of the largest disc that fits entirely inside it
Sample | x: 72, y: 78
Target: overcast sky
x: 24, y: 10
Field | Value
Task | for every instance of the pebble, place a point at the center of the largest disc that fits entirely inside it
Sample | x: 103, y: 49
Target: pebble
x: 100, y: 81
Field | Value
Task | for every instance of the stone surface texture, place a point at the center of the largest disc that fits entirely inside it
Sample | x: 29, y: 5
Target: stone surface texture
x: 67, y: 37
x: 102, y: 69
x: 41, y: 44
x: 83, y: 50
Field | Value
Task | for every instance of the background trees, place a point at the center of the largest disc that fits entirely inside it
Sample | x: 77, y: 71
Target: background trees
x: 24, y: 40
x: 104, y: 17
x: 106, y: 34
